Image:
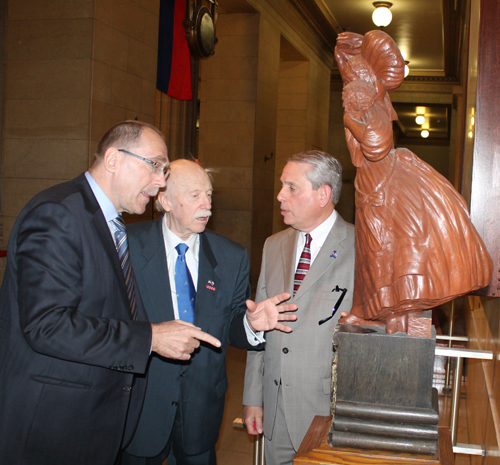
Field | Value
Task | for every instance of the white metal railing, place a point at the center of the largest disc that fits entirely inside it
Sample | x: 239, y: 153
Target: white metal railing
x: 460, y: 354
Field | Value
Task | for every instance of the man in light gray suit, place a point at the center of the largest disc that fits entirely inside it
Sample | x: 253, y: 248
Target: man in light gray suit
x: 288, y: 383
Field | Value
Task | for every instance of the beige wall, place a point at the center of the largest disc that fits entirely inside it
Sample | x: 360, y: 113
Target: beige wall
x: 228, y: 95
x: 257, y: 107
x: 291, y: 122
x: 73, y: 69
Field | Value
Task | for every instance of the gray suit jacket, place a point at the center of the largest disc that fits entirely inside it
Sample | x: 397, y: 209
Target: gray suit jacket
x: 302, y: 360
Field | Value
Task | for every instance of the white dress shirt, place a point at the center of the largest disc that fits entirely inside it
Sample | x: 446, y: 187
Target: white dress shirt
x: 171, y: 240
x: 318, y: 236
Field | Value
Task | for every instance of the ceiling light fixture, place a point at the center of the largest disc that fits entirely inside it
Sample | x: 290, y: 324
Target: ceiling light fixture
x: 420, y: 119
x: 425, y: 133
x: 382, y: 16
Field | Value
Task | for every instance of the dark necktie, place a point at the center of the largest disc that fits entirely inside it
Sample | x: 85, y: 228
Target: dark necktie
x: 304, y: 264
x: 184, y: 287
x: 121, y: 243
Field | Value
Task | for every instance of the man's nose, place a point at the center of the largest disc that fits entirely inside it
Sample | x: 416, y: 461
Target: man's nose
x: 207, y: 202
x: 160, y: 179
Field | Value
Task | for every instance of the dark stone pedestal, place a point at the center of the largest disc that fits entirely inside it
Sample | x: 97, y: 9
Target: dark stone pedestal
x: 382, y: 395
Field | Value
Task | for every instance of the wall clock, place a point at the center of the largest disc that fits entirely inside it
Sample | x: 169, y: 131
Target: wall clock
x: 200, y: 25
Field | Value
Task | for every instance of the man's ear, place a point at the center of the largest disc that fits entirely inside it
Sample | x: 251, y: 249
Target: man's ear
x: 324, y: 195
x: 111, y: 159
x: 164, y: 201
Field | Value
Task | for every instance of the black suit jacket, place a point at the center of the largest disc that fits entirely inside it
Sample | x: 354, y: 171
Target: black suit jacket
x: 197, y: 386
x: 68, y: 349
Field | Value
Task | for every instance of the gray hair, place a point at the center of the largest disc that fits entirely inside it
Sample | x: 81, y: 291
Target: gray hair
x: 325, y: 170
x: 209, y: 171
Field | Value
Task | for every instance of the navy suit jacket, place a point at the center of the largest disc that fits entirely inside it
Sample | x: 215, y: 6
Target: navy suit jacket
x: 68, y: 347
x: 197, y: 386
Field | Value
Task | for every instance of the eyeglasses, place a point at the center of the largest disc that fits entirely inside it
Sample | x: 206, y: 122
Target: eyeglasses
x: 157, y: 168
x: 337, y: 305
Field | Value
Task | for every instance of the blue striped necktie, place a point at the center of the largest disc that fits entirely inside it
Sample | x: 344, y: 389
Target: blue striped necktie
x: 184, y: 287
x: 124, y: 257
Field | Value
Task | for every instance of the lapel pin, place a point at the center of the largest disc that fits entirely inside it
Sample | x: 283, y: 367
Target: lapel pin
x: 210, y: 285
x: 334, y: 254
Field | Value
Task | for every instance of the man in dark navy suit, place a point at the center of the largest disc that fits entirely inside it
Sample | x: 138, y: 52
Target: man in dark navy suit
x: 184, y: 401
x: 71, y: 339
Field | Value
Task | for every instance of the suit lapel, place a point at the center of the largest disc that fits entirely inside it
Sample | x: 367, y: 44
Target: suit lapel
x: 154, y: 276
x: 288, y: 253
x: 327, y: 256
x: 102, y: 229
x: 208, y: 280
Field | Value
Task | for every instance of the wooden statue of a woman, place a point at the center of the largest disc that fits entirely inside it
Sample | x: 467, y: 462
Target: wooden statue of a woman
x: 415, y: 244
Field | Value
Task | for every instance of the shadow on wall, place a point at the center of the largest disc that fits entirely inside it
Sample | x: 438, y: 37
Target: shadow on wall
x: 346, y: 206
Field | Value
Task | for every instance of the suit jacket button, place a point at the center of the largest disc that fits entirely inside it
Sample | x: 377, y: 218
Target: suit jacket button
x: 127, y: 388
x: 174, y: 404
x: 183, y: 373
x: 276, y: 382
x: 285, y: 350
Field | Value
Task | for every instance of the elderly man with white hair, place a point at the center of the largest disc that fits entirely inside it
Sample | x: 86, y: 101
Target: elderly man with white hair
x: 190, y: 275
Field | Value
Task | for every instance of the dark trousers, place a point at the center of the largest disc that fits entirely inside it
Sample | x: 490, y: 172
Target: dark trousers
x: 173, y: 452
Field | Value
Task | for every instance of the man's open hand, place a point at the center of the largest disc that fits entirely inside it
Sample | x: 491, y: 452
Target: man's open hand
x: 266, y: 315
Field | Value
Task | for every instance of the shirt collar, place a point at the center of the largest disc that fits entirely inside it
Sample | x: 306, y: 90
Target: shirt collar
x: 320, y: 233
x: 172, y: 240
x: 107, y: 207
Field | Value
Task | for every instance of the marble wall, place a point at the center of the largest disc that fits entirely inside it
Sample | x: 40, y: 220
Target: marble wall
x: 263, y: 96
x: 73, y: 69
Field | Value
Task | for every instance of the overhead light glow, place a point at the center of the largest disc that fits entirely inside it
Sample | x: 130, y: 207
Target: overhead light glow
x: 382, y: 16
x: 425, y: 133
x: 420, y: 119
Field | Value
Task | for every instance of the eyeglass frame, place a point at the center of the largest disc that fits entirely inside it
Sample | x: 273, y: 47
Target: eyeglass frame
x: 337, y: 305
x: 154, y: 164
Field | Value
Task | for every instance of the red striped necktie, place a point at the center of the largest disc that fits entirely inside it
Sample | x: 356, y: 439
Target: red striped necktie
x: 304, y: 264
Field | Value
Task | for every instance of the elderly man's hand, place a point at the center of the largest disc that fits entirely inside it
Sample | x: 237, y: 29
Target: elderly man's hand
x: 178, y: 339
x: 252, y: 419
x: 266, y: 315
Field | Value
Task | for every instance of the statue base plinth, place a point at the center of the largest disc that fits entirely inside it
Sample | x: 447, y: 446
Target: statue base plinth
x: 382, y: 395
x: 315, y: 450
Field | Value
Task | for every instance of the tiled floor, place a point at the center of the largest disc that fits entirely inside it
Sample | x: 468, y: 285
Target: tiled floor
x: 235, y: 447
